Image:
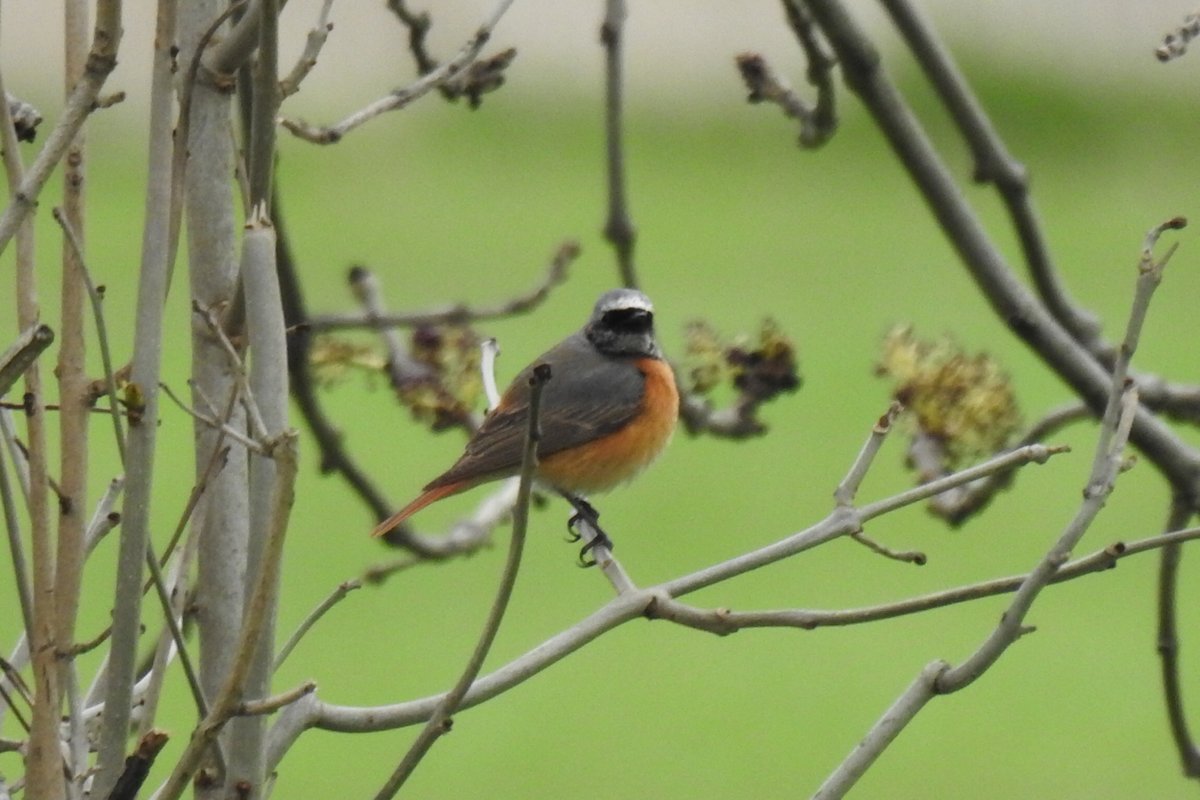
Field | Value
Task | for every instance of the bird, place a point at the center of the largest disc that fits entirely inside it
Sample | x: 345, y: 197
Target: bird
x: 608, y: 410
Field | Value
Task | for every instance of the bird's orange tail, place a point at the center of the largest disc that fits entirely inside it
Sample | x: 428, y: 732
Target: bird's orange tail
x: 427, y: 497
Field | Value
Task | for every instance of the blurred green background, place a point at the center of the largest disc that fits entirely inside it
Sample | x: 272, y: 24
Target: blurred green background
x: 735, y: 223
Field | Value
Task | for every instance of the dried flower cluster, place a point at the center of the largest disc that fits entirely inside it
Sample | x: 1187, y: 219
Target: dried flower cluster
x: 964, y: 401
x: 333, y: 358
x: 445, y: 395
x: 760, y: 371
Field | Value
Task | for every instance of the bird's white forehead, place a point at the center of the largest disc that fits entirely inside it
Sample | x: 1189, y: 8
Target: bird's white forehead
x: 623, y: 299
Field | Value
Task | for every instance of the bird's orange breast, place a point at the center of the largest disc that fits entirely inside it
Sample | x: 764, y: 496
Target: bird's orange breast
x: 613, y: 459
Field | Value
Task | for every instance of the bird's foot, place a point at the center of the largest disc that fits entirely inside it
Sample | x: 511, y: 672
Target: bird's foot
x: 584, y: 512
x: 587, y: 514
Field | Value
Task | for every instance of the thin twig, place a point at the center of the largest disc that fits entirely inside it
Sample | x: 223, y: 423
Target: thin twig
x: 258, y: 429
x: 225, y: 428
x: 170, y: 643
x: 440, y: 720
x: 12, y: 677
x: 336, y: 596
x: 16, y: 550
x: 313, y: 43
x: 1036, y: 453
x: 818, y: 121
x: 958, y: 506
x: 482, y: 76
x: 906, y: 556
x: 173, y: 623
x: 847, y: 490
x: 269, y: 705
x: 1168, y: 640
x: 418, y: 25
x: 97, y: 302
x: 888, y: 727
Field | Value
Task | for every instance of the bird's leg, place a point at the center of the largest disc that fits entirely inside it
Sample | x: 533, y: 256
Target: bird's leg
x: 586, y: 513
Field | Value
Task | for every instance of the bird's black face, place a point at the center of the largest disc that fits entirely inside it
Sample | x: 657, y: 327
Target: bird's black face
x: 628, y: 320
x: 623, y: 324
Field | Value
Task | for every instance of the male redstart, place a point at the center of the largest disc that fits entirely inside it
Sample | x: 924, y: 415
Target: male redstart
x: 608, y: 410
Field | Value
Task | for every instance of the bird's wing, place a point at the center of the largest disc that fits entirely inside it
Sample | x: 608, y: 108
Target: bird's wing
x: 588, y: 396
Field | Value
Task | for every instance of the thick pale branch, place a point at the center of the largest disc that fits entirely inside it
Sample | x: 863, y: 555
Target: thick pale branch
x: 225, y: 706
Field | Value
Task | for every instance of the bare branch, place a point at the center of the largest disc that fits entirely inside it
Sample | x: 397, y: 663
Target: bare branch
x: 313, y: 43
x: 894, y: 720
x: 459, y: 313
x: 1168, y: 639
x: 995, y: 165
x: 16, y: 549
x: 630, y: 603
x: 618, y: 228
x: 269, y: 705
x: 100, y: 62
x: 250, y: 443
x: 1009, y: 298
x: 418, y: 25
x: 481, y: 77
x: 906, y: 556
x: 137, y: 766
x: 336, y: 596
x: 1115, y: 427
x: 114, y: 404
x: 32, y: 342
x: 847, y: 490
x: 818, y: 122
x: 725, y: 621
x: 399, y: 98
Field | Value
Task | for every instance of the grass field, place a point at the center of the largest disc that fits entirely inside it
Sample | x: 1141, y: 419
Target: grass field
x: 735, y: 223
